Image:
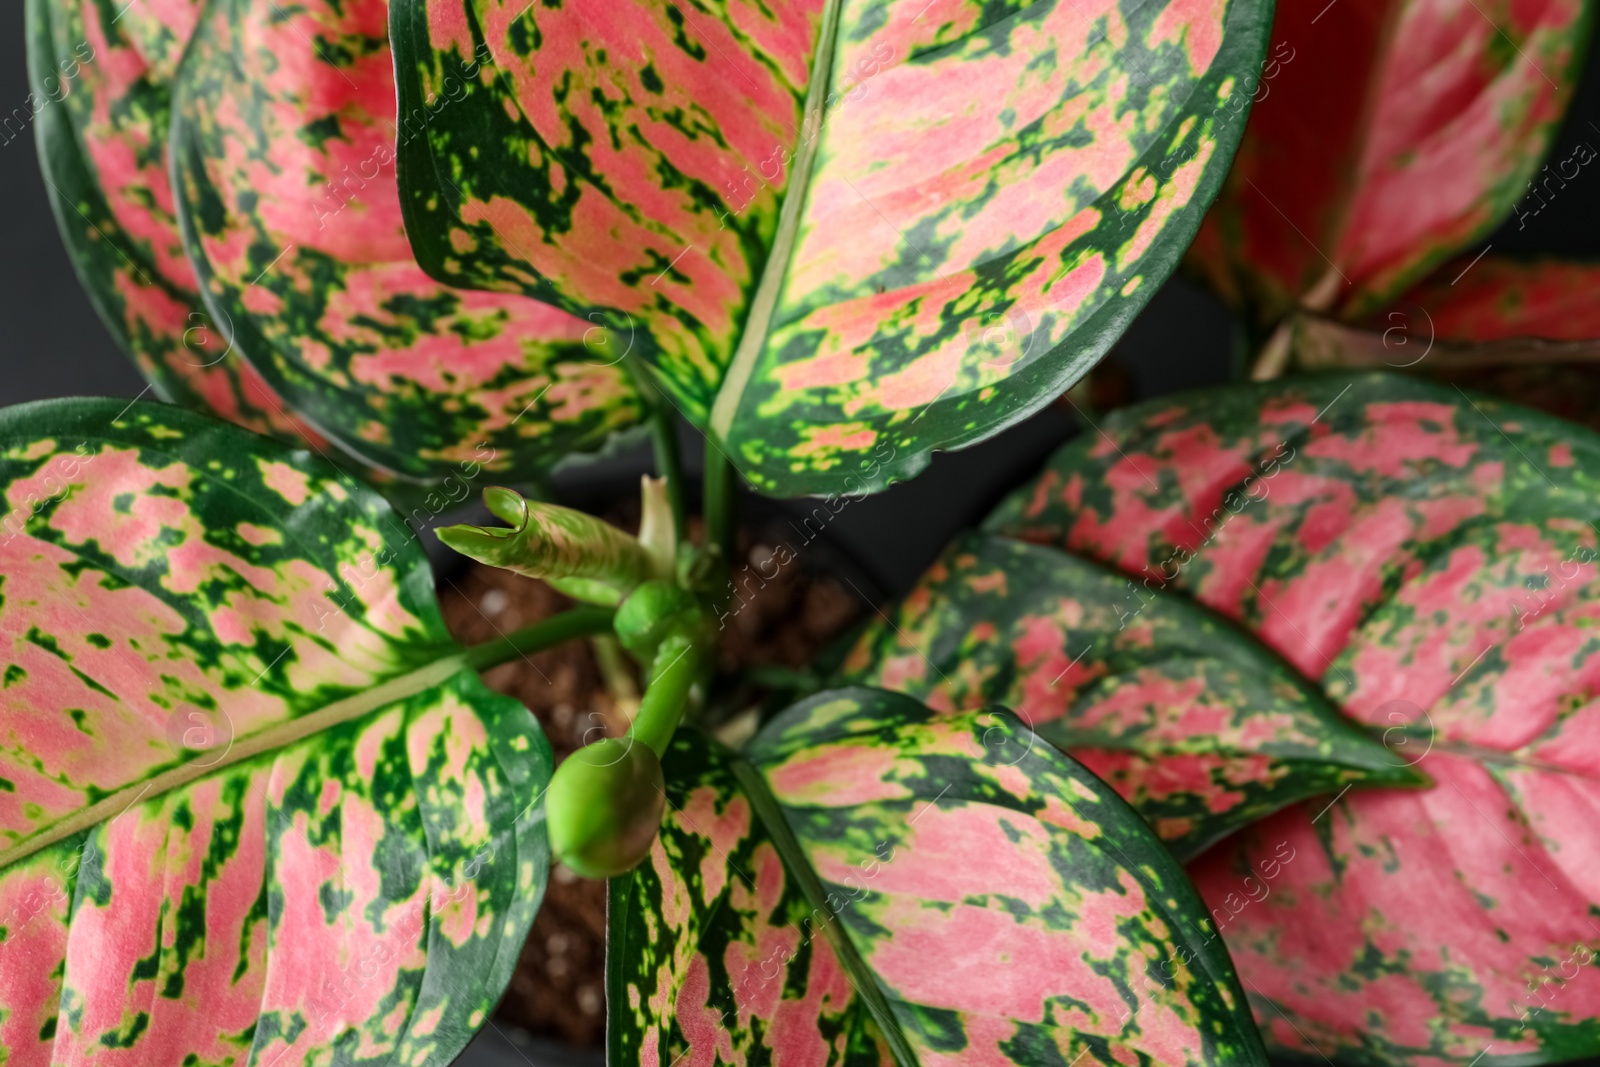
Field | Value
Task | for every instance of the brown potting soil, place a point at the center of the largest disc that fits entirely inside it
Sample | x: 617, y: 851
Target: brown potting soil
x: 558, y: 990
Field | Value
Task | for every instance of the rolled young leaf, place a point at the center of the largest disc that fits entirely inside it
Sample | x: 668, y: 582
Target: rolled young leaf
x: 101, y: 78
x: 839, y: 235
x: 584, y: 557
x: 255, y: 806
x: 283, y: 145
x: 882, y: 883
x: 1429, y: 557
x: 1387, y: 137
x: 1198, y: 727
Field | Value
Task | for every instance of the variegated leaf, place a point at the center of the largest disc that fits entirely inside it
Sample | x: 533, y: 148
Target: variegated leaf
x: 1194, y: 724
x: 1524, y: 330
x: 840, y: 234
x: 1498, y: 298
x: 284, y: 141
x: 982, y: 897
x: 710, y: 955
x: 1561, y: 377
x: 1388, y: 136
x: 1429, y: 557
x: 101, y: 77
x: 254, y: 807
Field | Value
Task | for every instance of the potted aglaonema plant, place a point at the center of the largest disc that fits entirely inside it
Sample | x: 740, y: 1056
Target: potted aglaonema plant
x: 259, y: 807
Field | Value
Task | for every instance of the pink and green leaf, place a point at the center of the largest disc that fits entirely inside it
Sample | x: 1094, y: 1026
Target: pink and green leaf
x: 284, y: 142
x: 1429, y: 557
x: 101, y: 77
x: 965, y: 890
x: 712, y: 953
x: 839, y: 236
x: 1524, y: 330
x: 1500, y: 298
x: 255, y: 806
x: 1388, y: 136
x: 1195, y: 725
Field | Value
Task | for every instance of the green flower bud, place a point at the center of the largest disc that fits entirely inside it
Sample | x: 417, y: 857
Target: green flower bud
x: 604, y: 805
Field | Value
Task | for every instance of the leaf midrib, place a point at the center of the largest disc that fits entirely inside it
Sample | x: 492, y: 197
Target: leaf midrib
x: 1583, y: 441
x: 876, y: 995
x: 771, y: 817
x: 271, y: 739
x: 753, y: 338
x: 279, y: 736
x: 1493, y: 757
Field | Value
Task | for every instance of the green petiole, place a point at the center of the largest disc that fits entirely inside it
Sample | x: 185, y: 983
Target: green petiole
x: 605, y: 802
x: 546, y: 633
x: 669, y: 461
x: 666, y: 697
x: 664, y: 438
x: 720, y: 488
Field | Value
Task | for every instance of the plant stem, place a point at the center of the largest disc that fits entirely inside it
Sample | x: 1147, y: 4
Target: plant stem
x: 721, y: 503
x: 615, y: 674
x: 666, y: 697
x: 1273, y: 359
x: 669, y: 461
x: 719, y: 500
x: 664, y: 436
x: 579, y: 622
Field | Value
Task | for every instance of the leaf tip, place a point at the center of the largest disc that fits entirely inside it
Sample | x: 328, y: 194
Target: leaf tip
x: 479, y: 542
